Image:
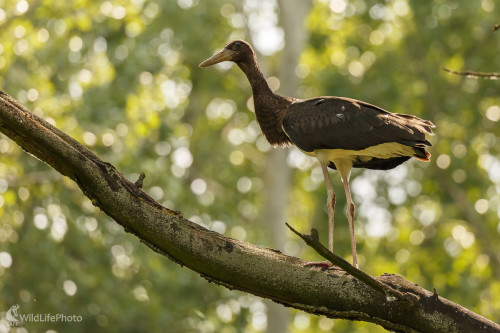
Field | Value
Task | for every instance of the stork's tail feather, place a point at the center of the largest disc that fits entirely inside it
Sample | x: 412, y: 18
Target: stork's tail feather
x: 421, y: 154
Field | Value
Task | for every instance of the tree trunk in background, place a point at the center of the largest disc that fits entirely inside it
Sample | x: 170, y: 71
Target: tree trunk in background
x: 278, y: 174
x: 277, y: 179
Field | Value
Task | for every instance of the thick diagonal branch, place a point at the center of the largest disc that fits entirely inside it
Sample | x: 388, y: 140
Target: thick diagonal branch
x: 229, y: 262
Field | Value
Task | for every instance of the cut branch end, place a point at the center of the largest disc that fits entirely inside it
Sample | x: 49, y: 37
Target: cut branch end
x: 139, y: 182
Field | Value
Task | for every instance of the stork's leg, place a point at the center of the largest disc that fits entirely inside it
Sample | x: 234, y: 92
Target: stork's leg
x: 350, y: 217
x: 330, y: 204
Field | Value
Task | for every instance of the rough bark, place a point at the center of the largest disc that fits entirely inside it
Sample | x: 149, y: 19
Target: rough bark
x: 229, y: 262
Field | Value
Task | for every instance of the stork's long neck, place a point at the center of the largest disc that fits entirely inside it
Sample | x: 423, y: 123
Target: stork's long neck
x: 269, y: 107
x: 260, y: 88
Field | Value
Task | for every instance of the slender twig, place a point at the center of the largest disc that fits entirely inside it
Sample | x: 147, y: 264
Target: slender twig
x: 490, y: 76
x: 472, y: 74
x: 390, y: 293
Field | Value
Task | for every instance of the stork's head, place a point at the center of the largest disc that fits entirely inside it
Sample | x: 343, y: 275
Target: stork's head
x: 236, y: 51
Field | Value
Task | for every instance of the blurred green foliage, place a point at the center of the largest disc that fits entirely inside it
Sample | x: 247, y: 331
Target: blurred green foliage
x: 122, y: 78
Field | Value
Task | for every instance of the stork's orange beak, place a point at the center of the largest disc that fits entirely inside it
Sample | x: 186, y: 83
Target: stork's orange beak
x: 224, y: 55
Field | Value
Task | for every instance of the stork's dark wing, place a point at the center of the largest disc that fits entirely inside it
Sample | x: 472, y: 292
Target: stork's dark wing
x: 343, y: 123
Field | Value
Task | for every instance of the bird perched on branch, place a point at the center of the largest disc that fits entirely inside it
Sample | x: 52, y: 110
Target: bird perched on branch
x: 342, y: 133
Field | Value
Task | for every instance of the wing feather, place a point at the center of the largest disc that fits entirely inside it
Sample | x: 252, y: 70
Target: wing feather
x: 343, y: 123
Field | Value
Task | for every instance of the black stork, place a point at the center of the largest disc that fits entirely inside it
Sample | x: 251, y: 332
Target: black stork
x: 342, y: 133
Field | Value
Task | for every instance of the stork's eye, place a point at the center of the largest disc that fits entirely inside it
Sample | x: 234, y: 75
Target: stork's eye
x: 237, y: 44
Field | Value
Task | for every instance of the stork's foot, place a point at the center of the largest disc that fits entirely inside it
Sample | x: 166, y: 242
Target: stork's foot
x: 322, y: 264
x: 325, y: 263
